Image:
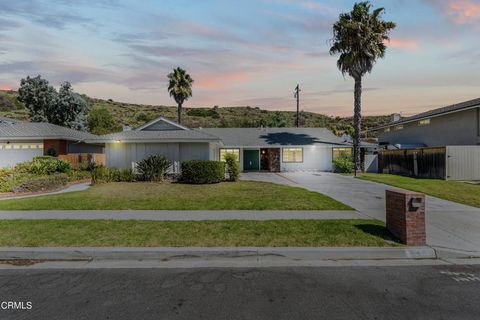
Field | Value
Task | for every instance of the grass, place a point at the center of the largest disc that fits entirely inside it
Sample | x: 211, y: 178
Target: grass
x: 457, y: 191
x: 276, y: 233
x: 242, y: 195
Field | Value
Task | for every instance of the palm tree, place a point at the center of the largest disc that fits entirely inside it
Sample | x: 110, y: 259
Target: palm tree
x: 359, y: 37
x: 180, y: 88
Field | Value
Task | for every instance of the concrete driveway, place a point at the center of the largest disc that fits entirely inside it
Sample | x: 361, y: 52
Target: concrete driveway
x: 449, y: 224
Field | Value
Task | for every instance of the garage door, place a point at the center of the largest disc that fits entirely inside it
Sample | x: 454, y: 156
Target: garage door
x: 12, y: 153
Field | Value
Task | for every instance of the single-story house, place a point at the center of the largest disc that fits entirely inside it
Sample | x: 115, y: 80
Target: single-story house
x: 266, y: 149
x: 21, y: 141
x: 441, y: 143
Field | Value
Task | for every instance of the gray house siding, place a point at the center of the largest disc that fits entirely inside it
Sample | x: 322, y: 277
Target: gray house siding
x: 459, y: 128
x: 160, y: 126
x: 123, y: 155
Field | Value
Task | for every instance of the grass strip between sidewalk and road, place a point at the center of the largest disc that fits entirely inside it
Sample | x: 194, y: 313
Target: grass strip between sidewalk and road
x: 232, y: 233
x: 242, y: 195
x: 456, y: 191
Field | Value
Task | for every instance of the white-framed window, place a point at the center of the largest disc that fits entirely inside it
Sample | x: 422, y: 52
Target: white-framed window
x: 224, y: 151
x: 20, y: 146
x: 292, y: 155
x: 424, y: 122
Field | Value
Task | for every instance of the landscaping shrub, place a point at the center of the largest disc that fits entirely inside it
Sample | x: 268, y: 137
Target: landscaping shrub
x: 232, y: 166
x: 105, y: 175
x: 153, y: 168
x: 203, y: 171
x: 344, y: 163
x: 47, y: 165
x: 42, y: 183
x: 78, y: 174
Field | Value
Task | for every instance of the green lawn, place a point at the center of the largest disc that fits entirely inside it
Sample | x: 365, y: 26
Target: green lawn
x: 277, y: 233
x: 243, y: 195
x: 457, y: 191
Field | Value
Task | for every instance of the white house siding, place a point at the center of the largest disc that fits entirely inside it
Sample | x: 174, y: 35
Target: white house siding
x: 10, y: 157
x: 315, y: 158
x: 123, y: 155
x: 463, y: 162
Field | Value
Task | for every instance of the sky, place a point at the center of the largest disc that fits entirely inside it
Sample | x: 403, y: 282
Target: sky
x: 242, y: 52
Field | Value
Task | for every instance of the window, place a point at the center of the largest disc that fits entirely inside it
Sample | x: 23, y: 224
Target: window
x: 424, y: 122
x: 20, y: 146
x: 337, y: 152
x: 387, y: 129
x: 399, y: 127
x: 292, y: 155
x: 223, y: 152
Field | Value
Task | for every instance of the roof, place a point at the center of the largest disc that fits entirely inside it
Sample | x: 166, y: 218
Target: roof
x: 40, y: 130
x: 156, y: 136
x: 436, y: 112
x: 158, y: 119
x: 5, y: 120
x: 255, y: 137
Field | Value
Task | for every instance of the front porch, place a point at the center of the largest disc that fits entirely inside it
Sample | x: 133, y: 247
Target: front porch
x: 261, y: 159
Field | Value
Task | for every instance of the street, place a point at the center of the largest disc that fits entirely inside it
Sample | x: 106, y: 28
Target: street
x: 414, y: 292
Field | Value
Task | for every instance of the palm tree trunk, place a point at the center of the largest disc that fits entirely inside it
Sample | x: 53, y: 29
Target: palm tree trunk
x: 357, y: 122
x: 179, y: 113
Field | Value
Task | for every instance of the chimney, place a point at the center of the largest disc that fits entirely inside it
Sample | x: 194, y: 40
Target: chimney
x: 395, y: 117
x: 126, y: 127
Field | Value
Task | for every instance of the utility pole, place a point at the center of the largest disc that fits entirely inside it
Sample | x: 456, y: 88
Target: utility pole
x: 297, y: 95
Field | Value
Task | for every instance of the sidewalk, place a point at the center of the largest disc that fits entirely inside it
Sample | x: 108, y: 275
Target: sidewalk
x: 192, y: 215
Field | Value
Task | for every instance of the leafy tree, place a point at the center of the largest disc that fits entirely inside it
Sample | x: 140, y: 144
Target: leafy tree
x: 100, y: 121
x: 359, y: 37
x: 70, y: 109
x: 65, y: 108
x: 180, y: 88
x: 279, y: 120
x: 38, y: 97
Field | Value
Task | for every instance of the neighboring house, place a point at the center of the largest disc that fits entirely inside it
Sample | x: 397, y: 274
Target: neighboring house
x: 441, y: 143
x: 21, y: 141
x: 458, y: 125
x: 279, y: 149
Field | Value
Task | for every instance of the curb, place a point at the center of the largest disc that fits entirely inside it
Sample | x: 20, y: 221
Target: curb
x: 200, y: 253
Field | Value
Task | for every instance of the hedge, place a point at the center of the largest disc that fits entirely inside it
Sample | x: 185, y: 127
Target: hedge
x: 203, y: 171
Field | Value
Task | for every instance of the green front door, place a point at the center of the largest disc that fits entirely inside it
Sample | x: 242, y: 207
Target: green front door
x: 251, y: 160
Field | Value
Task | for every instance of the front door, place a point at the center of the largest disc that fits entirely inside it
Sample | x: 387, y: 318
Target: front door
x: 251, y: 161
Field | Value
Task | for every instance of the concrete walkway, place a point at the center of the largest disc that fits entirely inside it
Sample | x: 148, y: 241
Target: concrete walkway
x: 449, y: 224
x: 71, y: 188
x: 167, y: 215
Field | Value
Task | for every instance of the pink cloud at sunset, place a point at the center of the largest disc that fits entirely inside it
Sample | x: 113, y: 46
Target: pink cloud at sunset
x: 220, y: 80
x: 406, y: 44
x: 459, y: 11
x: 6, y: 87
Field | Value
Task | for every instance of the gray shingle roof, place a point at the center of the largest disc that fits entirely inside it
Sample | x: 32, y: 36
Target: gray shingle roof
x: 154, y: 136
x: 5, y: 120
x: 436, y: 112
x: 28, y: 130
x: 253, y: 137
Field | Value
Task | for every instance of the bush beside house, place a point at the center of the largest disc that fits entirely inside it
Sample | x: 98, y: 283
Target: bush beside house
x: 153, y: 168
x: 344, y: 164
x: 203, y: 171
x: 232, y: 167
x: 41, y: 174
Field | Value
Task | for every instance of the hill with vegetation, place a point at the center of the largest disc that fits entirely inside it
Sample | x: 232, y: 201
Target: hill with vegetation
x: 224, y: 117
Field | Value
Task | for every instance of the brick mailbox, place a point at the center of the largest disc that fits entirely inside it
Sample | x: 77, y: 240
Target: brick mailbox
x: 406, y: 216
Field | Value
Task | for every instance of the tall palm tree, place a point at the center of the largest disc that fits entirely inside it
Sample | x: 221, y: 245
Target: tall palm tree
x: 180, y: 88
x: 359, y: 37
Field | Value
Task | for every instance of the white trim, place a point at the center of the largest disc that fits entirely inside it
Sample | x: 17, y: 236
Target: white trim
x: 173, y: 123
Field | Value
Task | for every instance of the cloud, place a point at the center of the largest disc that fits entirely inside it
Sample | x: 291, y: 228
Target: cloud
x: 458, y: 11
x: 403, y: 43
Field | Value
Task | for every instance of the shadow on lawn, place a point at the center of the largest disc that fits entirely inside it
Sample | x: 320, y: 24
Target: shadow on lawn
x: 377, y: 231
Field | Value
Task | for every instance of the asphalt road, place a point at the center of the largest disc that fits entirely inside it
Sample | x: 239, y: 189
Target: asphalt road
x: 420, y: 292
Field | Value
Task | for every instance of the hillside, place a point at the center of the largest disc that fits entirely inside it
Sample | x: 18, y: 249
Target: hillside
x: 137, y: 114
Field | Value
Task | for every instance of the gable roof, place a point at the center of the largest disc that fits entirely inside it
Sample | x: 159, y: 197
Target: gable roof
x: 475, y: 103
x: 255, y: 137
x: 40, y: 130
x: 132, y: 136
x: 162, y: 119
